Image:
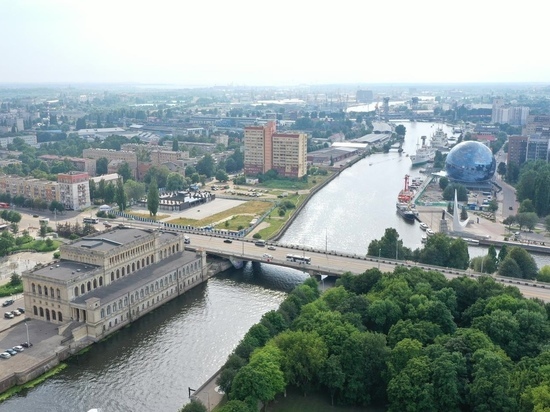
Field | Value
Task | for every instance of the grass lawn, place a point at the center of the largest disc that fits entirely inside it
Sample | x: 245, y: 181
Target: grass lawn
x: 248, y: 209
x: 39, y: 245
x: 242, y: 221
x: 293, y: 185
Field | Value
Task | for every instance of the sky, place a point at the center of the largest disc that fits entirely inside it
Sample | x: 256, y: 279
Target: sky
x: 275, y: 43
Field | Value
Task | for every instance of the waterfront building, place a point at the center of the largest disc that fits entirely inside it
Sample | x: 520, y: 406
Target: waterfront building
x: 258, y: 148
x: 74, y: 190
x: 265, y: 149
x: 289, y: 154
x: 105, y: 281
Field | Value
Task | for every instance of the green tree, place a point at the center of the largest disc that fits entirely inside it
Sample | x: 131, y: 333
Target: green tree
x: 411, y: 389
x: 43, y: 230
x: 221, y: 175
x: 493, y: 206
x: 544, y: 274
x: 125, y: 171
x: 153, y: 198
x: 461, y: 192
x: 206, y: 166
x: 529, y: 220
x: 109, y: 193
x: 15, y: 279
x: 443, y: 183
x: 400, y: 130
x: 509, y: 268
x: 463, y: 213
x: 525, y: 261
x: 389, y: 246
x: 80, y: 123
x: 175, y: 145
x: 194, y: 406
x: 332, y: 376
x: 175, y: 181
x: 121, y: 199
x: 501, y: 169
x: 134, y: 190
x: 262, y: 378
x: 303, y: 356
x: 526, y: 206
x: 101, y: 166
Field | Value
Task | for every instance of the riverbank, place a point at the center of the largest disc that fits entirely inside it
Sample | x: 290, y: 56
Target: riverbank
x: 52, y: 344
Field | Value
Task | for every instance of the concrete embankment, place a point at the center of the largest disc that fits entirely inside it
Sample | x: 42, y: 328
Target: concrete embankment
x: 312, y: 193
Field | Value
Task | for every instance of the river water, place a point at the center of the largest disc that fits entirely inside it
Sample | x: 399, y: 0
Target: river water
x: 150, y: 365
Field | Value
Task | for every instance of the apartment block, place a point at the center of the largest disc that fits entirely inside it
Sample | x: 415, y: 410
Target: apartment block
x: 74, y: 190
x: 258, y: 148
x: 537, y: 124
x: 290, y: 154
x: 517, y: 149
x: 30, y: 188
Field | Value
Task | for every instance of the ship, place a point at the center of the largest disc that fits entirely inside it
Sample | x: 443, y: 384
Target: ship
x: 404, y: 210
x: 423, y: 155
x: 405, y: 195
x: 439, y: 140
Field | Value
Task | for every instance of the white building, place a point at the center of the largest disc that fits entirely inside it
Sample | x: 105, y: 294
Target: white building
x: 74, y: 190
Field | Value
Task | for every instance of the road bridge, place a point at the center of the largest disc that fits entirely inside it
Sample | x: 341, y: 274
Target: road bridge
x: 336, y: 263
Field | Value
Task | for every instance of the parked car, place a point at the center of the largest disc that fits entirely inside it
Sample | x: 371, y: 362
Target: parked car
x: 26, y: 344
x: 227, y: 241
x: 271, y: 247
x: 5, y: 355
x: 22, y: 310
x: 16, y: 313
x: 8, y: 315
x: 18, y: 348
x: 35, y: 216
x: 7, y: 302
x: 11, y: 351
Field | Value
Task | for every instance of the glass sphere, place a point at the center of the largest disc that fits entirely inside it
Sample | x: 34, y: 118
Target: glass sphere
x: 470, y: 162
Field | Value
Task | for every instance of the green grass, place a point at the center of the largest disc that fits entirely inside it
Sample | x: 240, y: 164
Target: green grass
x: 31, y: 384
x: 39, y: 245
x: 249, y: 209
x: 235, y: 222
x: 294, y: 185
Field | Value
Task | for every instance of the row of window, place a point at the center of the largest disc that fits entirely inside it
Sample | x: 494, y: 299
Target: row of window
x: 47, y: 314
x: 132, y: 252
x: 36, y: 287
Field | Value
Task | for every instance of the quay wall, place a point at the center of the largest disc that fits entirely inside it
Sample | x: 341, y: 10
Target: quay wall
x: 71, y: 345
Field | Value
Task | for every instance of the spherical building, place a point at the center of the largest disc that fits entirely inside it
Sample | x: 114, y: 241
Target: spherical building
x: 470, y: 162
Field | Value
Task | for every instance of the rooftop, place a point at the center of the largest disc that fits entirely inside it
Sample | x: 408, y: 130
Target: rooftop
x: 137, y: 279
x: 64, y: 270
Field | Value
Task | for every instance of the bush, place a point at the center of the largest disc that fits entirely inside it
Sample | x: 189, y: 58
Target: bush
x: 257, y: 236
x: 57, y: 255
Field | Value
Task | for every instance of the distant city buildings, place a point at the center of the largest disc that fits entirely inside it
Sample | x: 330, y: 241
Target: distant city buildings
x: 533, y: 144
x: 265, y: 149
x: 506, y: 114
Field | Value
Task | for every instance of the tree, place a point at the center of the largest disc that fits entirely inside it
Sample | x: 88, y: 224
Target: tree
x: 56, y: 206
x: 449, y: 192
x: 175, y: 181
x: 221, y: 175
x: 262, y: 378
x: 529, y: 220
x: 125, y: 171
x: 101, y: 166
x: 463, y: 213
x: 493, y: 206
x: 206, y: 166
x: 389, y: 246
x: 194, y: 406
x: 15, y: 279
x: 303, y: 356
x: 509, y: 268
x: 443, y: 183
x: 501, y: 169
x: 80, y: 123
x: 544, y: 274
x: 121, y: 199
x: 526, y: 206
x: 175, y: 145
x: 43, y: 230
x: 134, y: 190
x: 525, y: 261
x: 332, y: 376
x: 153, y: 198
x: 400, y: 130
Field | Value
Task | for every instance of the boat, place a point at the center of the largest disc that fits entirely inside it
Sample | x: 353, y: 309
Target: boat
x: 423, y: 155
x: 423, y: 226
x: 405, y: 195
x: 471, y: 242
x: 405, y: 211
x: 430, y: 232
x: 439, y: 140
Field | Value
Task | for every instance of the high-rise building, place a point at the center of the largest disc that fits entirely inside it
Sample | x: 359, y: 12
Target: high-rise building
x: 264, y: 150
x: 290, y: 154
x: 497, y: 104
x: 74, y: 190
x: 517, y: 149
x: 258, y: 148
x: 537, y: 124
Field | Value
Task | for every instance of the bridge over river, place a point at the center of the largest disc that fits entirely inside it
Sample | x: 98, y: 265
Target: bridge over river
x: 335, y: 263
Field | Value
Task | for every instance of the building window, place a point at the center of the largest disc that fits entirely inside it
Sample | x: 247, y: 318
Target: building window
x: 58, y: 293
x: 123, y: 270
x: 132, y: 299
x: 120, y: 304
x: 45, y: 290
x: 112, y: 276
x: 102, y: 313
x: 59, y: 316
x: 41, y: 312
x: 142, y: 262
x: 35, y: 310
x: 76, y: 290
x: 95, y: 283
x: 82, y: 290
x: 101, y: 281
x: 53, y: 314
x: 108, y: 310
x: 89, y: 286
x: 118, y: 273
x: 33, y: 288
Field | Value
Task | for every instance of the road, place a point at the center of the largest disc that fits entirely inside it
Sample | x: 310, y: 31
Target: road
x: 338, y: 263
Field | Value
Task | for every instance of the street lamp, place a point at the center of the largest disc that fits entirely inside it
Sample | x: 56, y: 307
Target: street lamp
x: 27, y: 326
x: 379, y: 252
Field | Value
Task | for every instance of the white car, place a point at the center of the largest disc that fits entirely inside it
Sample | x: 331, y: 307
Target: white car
x: 267, y: 256
x: 18, y: 348
x: 5, y: 355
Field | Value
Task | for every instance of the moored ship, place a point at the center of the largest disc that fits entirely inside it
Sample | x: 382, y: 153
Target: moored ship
x: 405, y: 212
x: 439, y: 140
x: 423, y: 155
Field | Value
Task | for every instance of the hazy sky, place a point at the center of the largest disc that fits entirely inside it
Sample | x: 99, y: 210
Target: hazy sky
x: 282, y: 42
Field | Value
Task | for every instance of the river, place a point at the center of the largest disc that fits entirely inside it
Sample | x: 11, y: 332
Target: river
x: 150, y: 365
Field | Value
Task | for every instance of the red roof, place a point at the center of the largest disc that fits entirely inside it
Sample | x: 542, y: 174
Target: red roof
x: 484, y: 137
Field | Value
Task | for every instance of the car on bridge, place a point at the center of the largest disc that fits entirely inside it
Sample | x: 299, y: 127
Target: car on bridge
x: 227, y: 241
x: 271, y: 247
